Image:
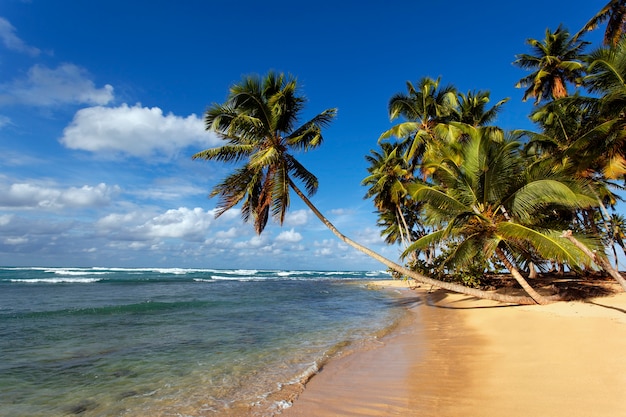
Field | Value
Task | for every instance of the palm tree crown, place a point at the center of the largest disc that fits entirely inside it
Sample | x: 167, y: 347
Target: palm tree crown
x: 258, y: 123
x: 491, y: 203
x: 555, y: 61
x: 615, y: 12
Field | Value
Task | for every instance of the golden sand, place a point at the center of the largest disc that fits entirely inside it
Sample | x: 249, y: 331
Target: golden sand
x: 458, y: 356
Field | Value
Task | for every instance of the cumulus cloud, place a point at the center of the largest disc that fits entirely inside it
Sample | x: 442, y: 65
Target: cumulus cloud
x: 136, y: 131
x: 289, y: 236
x: 297, y: 218
x: 231, y: 233
x: 66, y: 84
x: 255, y: 242
x: 182, y: 223
x: 185, y: 223
x: 26, y: 195
x: 12, y: 41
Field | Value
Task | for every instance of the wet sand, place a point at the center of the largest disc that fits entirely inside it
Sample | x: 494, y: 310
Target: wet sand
x: 454, y: 355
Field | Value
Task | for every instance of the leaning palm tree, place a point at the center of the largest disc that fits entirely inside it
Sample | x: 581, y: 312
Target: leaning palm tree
x: 555, y: 61
x: 257, y: 122
x: 615, y: 12
x: 491, y: 205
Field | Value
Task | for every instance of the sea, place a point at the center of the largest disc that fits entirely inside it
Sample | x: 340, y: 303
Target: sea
x: 177, y: 342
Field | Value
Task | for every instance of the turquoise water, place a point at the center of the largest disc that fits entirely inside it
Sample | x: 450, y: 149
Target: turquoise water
x: 150, y: 342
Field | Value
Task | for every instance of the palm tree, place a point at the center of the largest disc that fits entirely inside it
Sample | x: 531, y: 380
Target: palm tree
x: 490, y: 204
x: 423, y: 107
x: 387, y: 180
x: 472, y: 108
x: 257, y: 123
x: 555, y: 61
x: 615, y: 12
x: 576, y: 137
x: 606, y: 77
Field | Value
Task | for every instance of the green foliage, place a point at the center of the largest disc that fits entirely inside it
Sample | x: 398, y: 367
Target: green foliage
x: 257, y: 123
x: 474, y: 275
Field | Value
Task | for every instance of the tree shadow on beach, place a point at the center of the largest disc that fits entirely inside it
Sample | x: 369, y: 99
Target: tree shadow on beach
x: 568, y: 286
x: 621, y: 310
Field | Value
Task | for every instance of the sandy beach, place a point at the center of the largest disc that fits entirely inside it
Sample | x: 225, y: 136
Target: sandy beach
x: 454, y: 355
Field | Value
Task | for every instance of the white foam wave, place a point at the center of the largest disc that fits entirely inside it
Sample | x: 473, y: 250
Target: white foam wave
x: 239, y: 271
x: 236, y: 278
x: 76, y: 272
x: 57, y: 280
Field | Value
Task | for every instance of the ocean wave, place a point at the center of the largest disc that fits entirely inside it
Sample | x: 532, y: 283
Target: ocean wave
x: 56, y: 280
x: 62, y: 271
x: 237, y: 278
x: 239, y: 271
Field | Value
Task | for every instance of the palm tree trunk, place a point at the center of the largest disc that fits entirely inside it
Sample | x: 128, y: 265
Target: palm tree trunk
x: 599, y: 260
x: 407, y: 272
x: 538, y: 298
x: 406, y: 227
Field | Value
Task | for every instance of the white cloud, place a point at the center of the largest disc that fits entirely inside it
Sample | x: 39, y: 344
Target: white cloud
x: 255, y: 242
x: 182, y: 223
x: 26, y: 195
x: 136, y: 131
x: 231, y: 233
x: 297, y: 218
x: 115, y: 221
x: 369, y: 236
x: 341, y: 212
x: 12, y: 41
x: 67, y: 84
x: 289, y: 236
x: 15, y: 240
x: 173, y: 189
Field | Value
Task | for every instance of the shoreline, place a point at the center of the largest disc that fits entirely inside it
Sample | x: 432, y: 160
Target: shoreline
x: 455, y: 355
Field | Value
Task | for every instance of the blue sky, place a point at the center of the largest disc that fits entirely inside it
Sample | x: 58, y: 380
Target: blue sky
x: 101, y: 107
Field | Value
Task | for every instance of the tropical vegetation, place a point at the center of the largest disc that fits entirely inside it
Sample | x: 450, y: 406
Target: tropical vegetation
x: 465, y: 199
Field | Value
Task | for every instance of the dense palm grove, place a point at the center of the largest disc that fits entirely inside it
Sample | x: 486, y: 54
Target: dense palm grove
x: 464, y: 198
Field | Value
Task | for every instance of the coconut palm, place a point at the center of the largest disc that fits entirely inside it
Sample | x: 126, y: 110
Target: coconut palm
x: 472, y: 108
x: 606, y: 78
x: 387, y: 185
x: 615, y: 12
x: 423, y: 107
x: 491, y: 204
x: 555, y: 61
x: 576, y: 138
x: 257, y: 122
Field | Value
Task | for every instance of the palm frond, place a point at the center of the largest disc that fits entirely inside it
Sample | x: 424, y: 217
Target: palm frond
x: 227, y: 153
x: 401, y: 130
x: 547, y: 243
x: 424, y: 242
x: 309, y: 135
x: 436, y: 198
x: 541, y: 193
x: 299, y: 172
